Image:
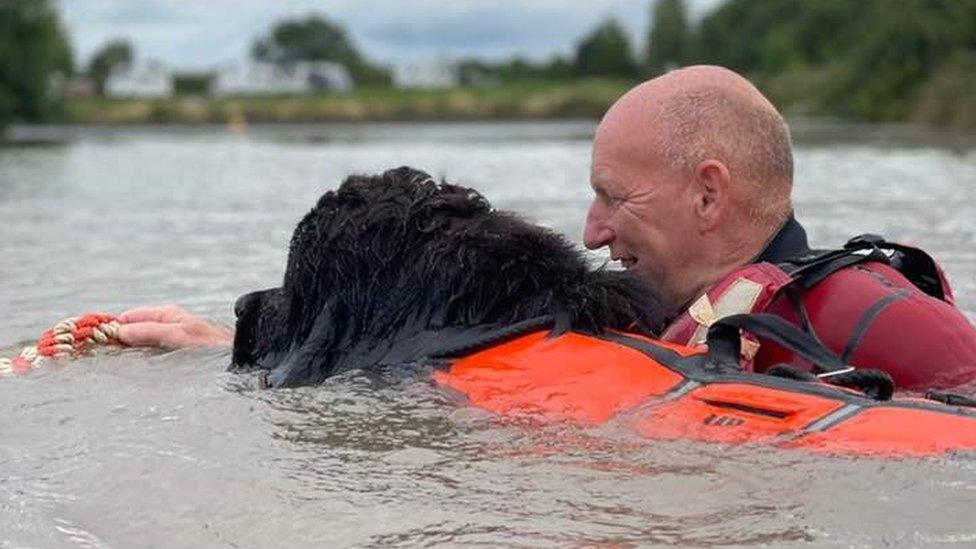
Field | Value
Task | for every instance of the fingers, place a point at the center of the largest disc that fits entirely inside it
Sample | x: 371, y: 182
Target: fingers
x: 174, y: 335
x: 151, y: 334
x: 210, y: 335
x: 156, y: 313
x: 170, y: 327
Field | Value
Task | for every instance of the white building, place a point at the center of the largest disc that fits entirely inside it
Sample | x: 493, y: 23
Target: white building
x: 143, y: 80
x: 271, y: 78
x: 439, y: 73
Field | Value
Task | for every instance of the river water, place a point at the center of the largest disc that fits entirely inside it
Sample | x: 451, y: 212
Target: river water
x: 150, y: 449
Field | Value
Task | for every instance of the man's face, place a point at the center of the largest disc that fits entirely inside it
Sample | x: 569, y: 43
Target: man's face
x: 641, y: 211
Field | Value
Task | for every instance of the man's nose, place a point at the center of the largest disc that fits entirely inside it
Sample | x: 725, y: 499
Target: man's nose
x: 596, y: 234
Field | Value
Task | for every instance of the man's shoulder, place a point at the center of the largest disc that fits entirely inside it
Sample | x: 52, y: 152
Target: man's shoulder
x: 872, y: 288
x: 874, y: 317
x: 871, y: 280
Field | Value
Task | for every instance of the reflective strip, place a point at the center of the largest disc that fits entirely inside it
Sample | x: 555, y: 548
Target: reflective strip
x: 825, y: 375
x: 833, y: 418
x: 739, y: 297
x: 680, y: 390
x: 683, y: 389
x: 889, y: 252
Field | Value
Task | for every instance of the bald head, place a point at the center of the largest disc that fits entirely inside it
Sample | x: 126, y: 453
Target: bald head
x: 692, y: 174
x: 698, y: 113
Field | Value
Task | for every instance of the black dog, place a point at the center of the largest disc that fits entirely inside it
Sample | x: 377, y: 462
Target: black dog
x: 398, y: 268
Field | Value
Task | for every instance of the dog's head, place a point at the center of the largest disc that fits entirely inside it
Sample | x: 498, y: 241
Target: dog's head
x: 398, y: 266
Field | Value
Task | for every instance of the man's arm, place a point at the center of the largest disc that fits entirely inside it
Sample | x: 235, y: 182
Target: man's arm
x: 875, y: 318
x: 170, y: 327
x: 923, y: 342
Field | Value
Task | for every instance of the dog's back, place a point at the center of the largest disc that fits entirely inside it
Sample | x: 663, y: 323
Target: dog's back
x: 397, y: 267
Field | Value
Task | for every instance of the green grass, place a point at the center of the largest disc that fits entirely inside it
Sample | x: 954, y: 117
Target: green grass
x: 541, y: 99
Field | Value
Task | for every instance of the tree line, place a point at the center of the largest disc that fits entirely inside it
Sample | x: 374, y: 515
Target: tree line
x: 876, y: 60
x: 870, y: 59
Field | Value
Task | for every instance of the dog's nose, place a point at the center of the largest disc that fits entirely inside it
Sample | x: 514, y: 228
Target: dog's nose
x: 241, y: 304
x: 247, y: 301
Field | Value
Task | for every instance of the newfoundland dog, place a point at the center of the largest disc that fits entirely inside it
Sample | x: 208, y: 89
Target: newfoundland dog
x: 399, y: 268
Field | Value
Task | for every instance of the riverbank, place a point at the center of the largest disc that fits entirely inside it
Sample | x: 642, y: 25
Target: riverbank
x: 943, y: 105
x: 587, y: 98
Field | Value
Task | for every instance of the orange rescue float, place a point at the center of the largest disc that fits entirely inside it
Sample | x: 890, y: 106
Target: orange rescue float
x: 678, y: 392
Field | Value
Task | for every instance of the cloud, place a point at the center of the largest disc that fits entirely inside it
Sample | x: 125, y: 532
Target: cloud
x: 204, y: 33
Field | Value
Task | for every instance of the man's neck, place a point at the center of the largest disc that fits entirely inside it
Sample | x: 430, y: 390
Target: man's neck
x: 732, y: 255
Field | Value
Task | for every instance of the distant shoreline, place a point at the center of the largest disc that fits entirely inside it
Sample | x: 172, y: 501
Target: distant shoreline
x: 543, y: 100
x: 807, y: 131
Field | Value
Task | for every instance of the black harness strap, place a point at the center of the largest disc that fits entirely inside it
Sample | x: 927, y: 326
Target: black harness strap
x: 809, y: 271
x: 916, y: 265
x: 951, y: 399
x: 724, y: 346
x: 724, y: 342
x: 867, y: 319
x: 801, y: 311
x: 788, y: 249
x: 809, y: 267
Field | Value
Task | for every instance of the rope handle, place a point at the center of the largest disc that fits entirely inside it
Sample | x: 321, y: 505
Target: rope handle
x: 70, y: 337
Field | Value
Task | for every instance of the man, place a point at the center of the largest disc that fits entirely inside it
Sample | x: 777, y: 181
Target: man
x: 692, y: 174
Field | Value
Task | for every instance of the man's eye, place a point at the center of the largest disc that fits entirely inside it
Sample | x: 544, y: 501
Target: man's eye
x: 611, y: 201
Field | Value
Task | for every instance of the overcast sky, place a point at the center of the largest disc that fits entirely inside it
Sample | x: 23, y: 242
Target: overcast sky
x: 204, y: 33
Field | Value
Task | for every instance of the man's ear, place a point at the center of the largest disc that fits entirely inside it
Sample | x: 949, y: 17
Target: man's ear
x: 713, y: 184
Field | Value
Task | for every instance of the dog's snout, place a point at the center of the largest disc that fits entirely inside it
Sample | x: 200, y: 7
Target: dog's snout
x: 248, y: 301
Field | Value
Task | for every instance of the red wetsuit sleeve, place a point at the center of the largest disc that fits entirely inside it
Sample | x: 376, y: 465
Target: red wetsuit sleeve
x: 873, y: 317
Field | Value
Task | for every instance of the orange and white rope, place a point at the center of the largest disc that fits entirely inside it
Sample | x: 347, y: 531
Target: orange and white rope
x: 71, y: 336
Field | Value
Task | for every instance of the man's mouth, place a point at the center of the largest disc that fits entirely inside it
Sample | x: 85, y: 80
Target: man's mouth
x: 627, y: 262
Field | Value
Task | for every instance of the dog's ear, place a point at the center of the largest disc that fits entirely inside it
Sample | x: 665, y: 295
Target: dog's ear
x: 310, y: 360
x: 250, y: 310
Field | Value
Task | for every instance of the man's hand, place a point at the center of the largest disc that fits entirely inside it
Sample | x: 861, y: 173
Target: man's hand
x: 170, y: 327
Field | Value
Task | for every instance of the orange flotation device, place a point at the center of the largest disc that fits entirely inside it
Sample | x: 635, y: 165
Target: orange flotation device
x: 669, y: 391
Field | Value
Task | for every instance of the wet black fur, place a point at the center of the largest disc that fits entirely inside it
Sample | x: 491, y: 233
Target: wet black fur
x: 397, y: 267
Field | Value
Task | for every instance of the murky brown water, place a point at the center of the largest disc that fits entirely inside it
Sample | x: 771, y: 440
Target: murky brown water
x: 166, y: 450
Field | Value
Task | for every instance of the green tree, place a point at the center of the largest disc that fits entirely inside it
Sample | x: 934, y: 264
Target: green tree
x: 869, y: 59
x: 749, y: 35
x: 901, y: 50
x: 114, y: 54
x: 558, y: 68
x: 33, y: 47
x: 667, y: 41
x: 605, y: 52
x: 315, y: 38
x: 478, y: 72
